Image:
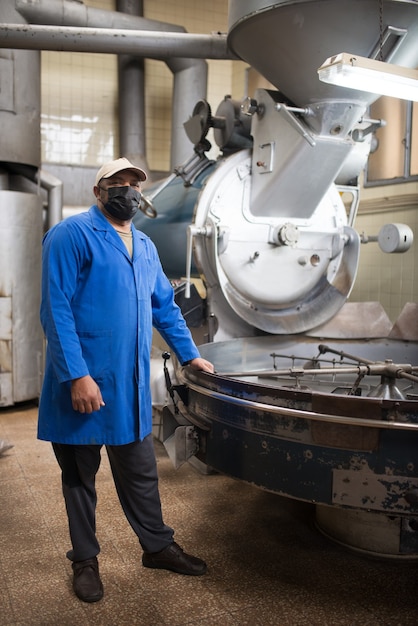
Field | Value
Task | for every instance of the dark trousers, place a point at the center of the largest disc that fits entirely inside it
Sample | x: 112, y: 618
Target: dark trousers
x: 134, y: 471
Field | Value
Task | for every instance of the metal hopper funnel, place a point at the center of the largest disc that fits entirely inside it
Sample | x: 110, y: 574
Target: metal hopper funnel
x: 286, y: 41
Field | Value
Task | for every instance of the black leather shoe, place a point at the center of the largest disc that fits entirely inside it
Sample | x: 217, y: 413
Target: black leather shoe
x: 174, y: 559
x: 86, y: 580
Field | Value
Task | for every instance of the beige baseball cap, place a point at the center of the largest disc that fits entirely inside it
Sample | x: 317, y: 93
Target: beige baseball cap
x: 109, y: 169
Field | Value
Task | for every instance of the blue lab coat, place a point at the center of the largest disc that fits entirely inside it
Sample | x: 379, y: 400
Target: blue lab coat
x: 98, y: 309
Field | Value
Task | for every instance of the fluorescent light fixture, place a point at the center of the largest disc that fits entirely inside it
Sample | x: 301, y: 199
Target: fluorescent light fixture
x: 355, y: 72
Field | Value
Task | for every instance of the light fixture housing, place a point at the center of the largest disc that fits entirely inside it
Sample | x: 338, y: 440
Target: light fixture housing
x: 368, y: 75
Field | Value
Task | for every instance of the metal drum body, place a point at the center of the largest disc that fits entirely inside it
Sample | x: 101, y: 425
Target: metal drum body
x: 257, y: 278
x: 175, y: 205
x: 240, y: 257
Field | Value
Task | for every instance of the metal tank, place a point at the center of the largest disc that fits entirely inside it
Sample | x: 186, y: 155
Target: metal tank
x: 19, y: 99
x: 314, y: 397
x: 21, y: 227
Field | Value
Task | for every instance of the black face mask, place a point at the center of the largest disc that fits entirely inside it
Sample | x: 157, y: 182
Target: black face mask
x: 122, y: 202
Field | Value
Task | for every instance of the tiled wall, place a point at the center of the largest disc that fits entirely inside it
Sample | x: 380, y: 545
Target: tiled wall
x: 79, y: 91
x: 78, y: 108
x: 391, y: 279
x: 78, y: 121
x: 79, y: 126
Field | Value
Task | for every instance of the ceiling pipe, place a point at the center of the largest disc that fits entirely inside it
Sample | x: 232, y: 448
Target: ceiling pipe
x: 76, y: 13
x: 145, y: 43
x: 189, y: 74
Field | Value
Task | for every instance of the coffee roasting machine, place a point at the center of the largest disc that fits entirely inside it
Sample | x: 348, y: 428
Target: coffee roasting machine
x: 314, y: 397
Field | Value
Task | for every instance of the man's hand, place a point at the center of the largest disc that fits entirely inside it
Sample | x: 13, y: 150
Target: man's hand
x: 86, y: 395
x: 202, y: 364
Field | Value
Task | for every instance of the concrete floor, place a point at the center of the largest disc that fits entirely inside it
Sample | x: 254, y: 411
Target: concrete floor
x: 268, y: 564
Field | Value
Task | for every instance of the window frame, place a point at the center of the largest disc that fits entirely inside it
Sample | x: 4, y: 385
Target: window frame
x: 408, y: 146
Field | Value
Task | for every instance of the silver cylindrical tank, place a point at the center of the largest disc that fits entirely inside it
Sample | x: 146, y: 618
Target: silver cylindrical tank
x: 21, y: 342
x: 19, y: 99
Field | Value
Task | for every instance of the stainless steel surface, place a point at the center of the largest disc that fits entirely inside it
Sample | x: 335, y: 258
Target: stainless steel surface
x: 19, y: 99
x: 21, y: 337
x: 286, y: 41
x: 141, y: 43
x: 270, y: 233
x: 239, y: 254
x: 282, y: 352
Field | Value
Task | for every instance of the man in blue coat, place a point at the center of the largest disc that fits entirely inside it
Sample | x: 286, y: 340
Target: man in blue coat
x: 103, y: 290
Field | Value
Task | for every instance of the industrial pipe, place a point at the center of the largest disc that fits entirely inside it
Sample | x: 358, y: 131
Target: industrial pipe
x: 189, y: 75
x: 52, y: 185
x: 54, y: 189
x: 131, y: 96
x: 143, y: 43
